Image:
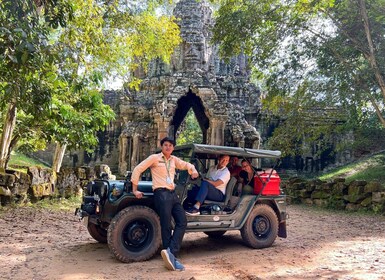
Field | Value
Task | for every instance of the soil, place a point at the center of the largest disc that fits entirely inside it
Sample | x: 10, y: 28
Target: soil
x: 43, y: 244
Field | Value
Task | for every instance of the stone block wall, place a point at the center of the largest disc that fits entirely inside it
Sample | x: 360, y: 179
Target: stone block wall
x: 337, y: 194
x: 37, y: 183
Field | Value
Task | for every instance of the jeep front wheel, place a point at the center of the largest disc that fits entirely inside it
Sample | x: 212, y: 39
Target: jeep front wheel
x: 134, y: 234
x: 261, y: 227
x: 97, y: 232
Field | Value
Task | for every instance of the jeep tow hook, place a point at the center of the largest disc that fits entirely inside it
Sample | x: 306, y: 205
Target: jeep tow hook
x: 80, y: 213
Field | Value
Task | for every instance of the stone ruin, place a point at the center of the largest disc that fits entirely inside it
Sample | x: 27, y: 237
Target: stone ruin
x: 225, y: 103
x: 357, y: 195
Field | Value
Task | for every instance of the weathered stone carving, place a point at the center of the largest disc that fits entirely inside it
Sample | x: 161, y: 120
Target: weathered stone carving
x: 219, y: 94
x: 224, y: 101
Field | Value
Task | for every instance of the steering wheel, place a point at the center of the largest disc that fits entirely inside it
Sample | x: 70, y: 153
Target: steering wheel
x: 197, y: 181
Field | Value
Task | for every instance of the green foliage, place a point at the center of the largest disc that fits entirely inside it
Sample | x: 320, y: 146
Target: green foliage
x: 74, y: 119
x: 27, y: 63
x: 189, y: 131
x: 335, y: 202
x: 367, y: 140
x: 378, y: 208
x: 313, y: 60
x: 374, y: 173
x: 117, y: 38
x: 26, y: 57
x: 54, y: 58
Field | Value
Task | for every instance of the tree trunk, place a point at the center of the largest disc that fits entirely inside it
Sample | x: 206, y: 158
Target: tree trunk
x: 12, y: 145
x: 371, y: 57
x: 58, y: 157
x: 6, y: 136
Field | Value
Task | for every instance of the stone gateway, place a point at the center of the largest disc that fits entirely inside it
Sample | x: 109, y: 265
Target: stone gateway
x: 225, y: 103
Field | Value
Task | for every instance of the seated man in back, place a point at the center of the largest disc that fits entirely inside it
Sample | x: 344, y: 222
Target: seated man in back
x: 234, y: 168
x: 213, y: 187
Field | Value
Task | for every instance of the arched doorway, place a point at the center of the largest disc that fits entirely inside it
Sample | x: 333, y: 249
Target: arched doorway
x: 184, y: 104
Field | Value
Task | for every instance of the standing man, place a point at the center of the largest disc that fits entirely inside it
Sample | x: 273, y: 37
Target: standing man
x: 166, y: 201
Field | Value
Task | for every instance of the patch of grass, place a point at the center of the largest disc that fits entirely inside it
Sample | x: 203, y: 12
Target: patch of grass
x: 20, y: 162
x: 372, y: 168
x: 58, y: 204
x: 373, y: 173
x: 51, y: 204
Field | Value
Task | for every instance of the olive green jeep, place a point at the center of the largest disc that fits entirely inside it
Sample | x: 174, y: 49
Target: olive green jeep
x: 131, y: 226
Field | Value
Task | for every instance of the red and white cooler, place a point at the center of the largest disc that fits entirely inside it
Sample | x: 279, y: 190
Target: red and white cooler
x: 273, y: 185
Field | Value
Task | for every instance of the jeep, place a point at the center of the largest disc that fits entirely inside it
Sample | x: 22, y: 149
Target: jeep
x: 131, y: 226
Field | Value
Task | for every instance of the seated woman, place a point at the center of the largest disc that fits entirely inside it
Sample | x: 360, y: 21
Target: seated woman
x: 247, y: 177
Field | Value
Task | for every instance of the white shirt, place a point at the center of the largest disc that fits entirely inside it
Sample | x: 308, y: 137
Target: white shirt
x: 222, y: 174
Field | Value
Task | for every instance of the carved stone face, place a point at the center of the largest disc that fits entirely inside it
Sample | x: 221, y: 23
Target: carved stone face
x: 142, y: 112
x: 192, y: 53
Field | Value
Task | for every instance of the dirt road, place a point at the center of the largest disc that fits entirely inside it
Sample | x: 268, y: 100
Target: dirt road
x: 38, y: 244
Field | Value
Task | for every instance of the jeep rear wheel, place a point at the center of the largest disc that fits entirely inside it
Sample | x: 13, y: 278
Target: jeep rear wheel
x: 134, y: 234
x: 261, y: 227
x: 97, y: 232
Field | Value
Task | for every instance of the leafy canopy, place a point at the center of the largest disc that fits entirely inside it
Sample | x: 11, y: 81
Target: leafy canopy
x: 55, y: 55
x: 319, y: 63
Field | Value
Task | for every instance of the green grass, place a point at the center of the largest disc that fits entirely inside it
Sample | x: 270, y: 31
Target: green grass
x: 20, y: 162
x: 57, y: 204
x: 371, y: 168
x: 52, y: 204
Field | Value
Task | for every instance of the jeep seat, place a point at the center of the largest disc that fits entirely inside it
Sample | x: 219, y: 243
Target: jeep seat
x: 228, y: 194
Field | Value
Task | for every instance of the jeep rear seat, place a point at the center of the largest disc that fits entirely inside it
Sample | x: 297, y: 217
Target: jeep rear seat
x: 228, y: 194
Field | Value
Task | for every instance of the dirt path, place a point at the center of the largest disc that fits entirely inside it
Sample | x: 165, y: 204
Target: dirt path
x: 38, y: 244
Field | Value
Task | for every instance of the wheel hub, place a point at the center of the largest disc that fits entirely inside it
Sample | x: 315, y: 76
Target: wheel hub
x: 137, y: 234
x: 261, y: 226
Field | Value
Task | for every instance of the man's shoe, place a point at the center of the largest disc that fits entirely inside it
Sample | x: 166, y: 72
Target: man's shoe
x: 168, y: 258
x: 179, y: 266
x: 193, y: 211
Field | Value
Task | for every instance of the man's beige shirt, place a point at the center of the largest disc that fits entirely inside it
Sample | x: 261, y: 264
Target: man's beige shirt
x: 158, y: 165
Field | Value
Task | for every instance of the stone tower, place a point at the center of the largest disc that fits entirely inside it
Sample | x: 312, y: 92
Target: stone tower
x: 225, y: 103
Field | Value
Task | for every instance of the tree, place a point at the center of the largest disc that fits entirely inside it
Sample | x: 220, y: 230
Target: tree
x: 189, y: 130
x: 313, y: 56
x: 73, y: 123
x: 100, y: 41
x: 26, y: 62
x: 91, y: 41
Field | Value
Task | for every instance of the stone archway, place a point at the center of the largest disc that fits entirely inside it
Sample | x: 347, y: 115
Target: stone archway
x: 225, y: 103
x: 219, y: 93
x: 184, y: 104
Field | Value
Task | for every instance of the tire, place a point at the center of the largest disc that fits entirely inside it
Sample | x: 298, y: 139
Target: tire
x: 215, y: 234
x: 134, y: 234
x: 97, y: 232
x: 261, y: 227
